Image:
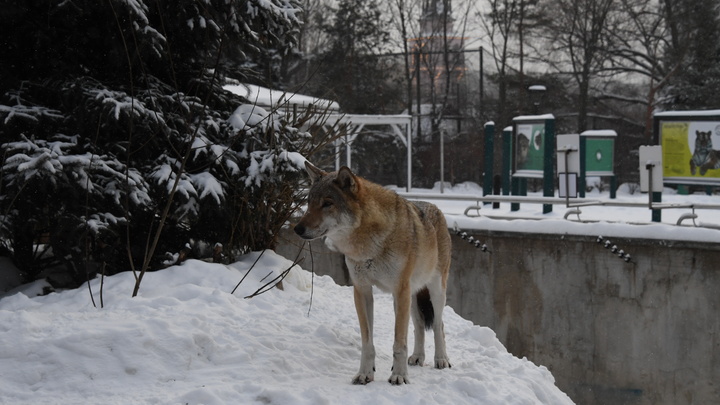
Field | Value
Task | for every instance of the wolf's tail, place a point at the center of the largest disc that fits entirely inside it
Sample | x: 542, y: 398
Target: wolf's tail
x: 425, y: 307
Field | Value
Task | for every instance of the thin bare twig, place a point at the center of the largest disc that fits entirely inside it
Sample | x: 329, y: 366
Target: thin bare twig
x: 312, y: 279
x: 248, y: 272
x: 267, y: 286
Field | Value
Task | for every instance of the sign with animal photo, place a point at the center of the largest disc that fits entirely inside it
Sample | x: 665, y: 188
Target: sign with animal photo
x: 529, y: 149
x: 690, y: 148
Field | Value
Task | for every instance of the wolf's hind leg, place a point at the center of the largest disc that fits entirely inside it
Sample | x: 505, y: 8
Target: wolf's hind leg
x: 418, y: 356
x: 437, y: 296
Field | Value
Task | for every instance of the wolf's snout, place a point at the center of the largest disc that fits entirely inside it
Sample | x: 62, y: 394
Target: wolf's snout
x: 300, y: 229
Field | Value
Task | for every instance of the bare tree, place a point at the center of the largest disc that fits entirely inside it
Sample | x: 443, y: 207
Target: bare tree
x: 578, y: 35
x: 499, y: 26
x: 403, y: 12
x: 638, y: 47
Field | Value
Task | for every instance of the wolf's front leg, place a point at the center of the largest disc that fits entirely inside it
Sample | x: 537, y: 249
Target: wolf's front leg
x: 364, y: 307
x: 402, y: 319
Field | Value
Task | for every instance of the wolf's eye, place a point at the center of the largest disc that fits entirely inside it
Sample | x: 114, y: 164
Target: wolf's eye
x: 327, y: 203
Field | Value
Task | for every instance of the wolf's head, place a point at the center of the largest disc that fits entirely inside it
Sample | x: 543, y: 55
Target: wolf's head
x: 332, y: 201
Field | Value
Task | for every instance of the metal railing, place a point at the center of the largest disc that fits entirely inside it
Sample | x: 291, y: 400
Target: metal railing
x: 573, y: 204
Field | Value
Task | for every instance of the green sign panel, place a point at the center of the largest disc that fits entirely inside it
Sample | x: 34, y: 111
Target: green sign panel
x: 529, y: 149
x: 599, y: 156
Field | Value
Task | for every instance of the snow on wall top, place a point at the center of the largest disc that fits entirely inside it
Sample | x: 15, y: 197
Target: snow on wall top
x: 689, y: 113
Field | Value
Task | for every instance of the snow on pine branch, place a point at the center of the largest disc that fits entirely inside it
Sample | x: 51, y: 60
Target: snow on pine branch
x: 27, y: 113
x: 120, y: 103
x: 269, y: 165
x: 62, y: 161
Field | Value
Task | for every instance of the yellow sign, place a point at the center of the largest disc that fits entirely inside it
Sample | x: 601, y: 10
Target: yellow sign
x: 689, y: 149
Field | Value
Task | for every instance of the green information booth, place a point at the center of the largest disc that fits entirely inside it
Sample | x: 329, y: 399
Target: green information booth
x: 533, y: 155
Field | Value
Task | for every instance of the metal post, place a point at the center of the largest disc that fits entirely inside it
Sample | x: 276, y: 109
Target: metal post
x: 566, y: 152
x: 482, y: 85
x: 582, y: 182
x: 419, y: 110
x: 348, y: 152
x: 442, y: 161
x: 548, y: 163
x: 408, y: 131
x: 657, y: 213
x: 337, y: 154
x: 515, y: 191
x: 488, y: 167
x: 506, y: 161
x: 653, y: 196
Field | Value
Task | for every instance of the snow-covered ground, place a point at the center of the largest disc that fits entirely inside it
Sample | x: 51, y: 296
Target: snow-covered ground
x: 186, y: 340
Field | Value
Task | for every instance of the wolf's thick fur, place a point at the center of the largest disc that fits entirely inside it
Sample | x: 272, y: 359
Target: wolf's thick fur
x: 399, y: 246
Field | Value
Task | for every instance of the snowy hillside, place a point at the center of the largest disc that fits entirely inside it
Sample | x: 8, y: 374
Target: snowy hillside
x: 187, y: 340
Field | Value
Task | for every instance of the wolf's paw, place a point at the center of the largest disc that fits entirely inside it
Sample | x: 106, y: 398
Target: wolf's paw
x: 416, y: 360
x: 398, y: 379
x: 363, y: 378
x: 442, y: 362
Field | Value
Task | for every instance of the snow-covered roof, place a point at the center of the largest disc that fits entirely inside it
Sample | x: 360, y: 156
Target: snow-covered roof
x: 271, y: 99
x: 370, y: 119
x: 534, y: 117
x: 599, y: 132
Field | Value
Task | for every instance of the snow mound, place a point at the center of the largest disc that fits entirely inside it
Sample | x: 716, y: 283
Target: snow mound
x: 186, y: 340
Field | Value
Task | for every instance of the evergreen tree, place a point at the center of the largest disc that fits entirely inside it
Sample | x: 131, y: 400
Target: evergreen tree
x: 358, y: 78
x: 694, y: 39
x: 112, y: 111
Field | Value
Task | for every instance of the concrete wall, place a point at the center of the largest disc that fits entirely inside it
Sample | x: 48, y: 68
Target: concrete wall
x: 611, y: 332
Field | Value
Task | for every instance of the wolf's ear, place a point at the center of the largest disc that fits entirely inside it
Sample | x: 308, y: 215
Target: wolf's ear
x: 347, y: 180
x: 314, y: 173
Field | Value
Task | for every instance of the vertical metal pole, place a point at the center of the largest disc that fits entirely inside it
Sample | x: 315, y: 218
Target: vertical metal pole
x: 337, y: 154
x: 442, y: 161
x: 653, y: 196
x: 482, y: 85
x: 649, y: 168
x: 348, y: 139
x: 408, y: 132
x: 419, y: 110
x: 488, y: 166
x: 567, y: 179
x: 548, y: 163
x: 583, y: 165
x: 657, y: 213
x: 506, y: 161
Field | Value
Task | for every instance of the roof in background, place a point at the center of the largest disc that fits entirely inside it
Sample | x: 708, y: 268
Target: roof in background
x: 272, y: 99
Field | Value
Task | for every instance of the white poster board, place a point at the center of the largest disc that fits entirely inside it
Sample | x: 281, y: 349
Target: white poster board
x: 568, y: 164
x: 651, y: 168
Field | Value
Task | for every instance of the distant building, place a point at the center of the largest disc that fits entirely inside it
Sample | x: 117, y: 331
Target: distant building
x: 436, y: 40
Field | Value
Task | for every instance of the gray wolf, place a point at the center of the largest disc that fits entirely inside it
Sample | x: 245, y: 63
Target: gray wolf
x: 399, y: 246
